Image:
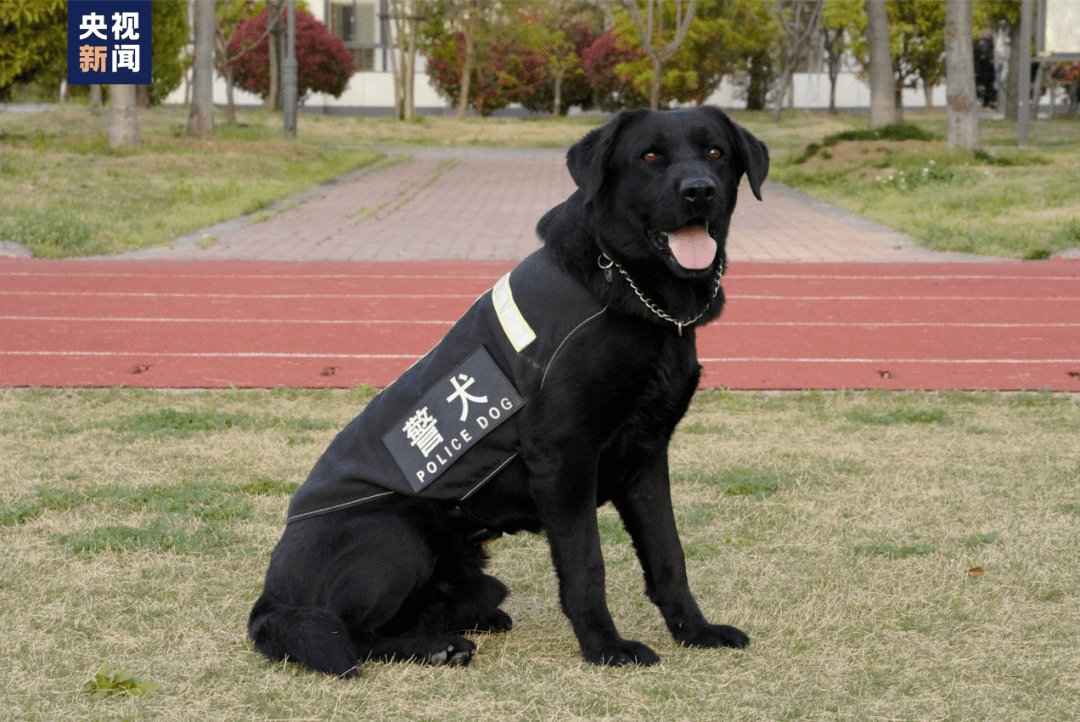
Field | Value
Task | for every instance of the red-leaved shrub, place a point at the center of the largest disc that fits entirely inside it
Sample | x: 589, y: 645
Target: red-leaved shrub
x: 324, y: 64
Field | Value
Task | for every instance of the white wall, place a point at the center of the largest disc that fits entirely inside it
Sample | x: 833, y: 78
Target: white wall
x: 812, y: 91
x: 365, y: 90
x: 376, y: 91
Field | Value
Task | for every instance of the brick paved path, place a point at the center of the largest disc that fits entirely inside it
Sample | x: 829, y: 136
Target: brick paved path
x: 483, y: 204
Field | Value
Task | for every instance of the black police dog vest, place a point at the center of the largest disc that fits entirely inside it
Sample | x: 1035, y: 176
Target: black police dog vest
x: 449, y: 423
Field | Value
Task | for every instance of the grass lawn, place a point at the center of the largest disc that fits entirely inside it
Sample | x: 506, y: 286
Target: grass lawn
x: 1009, y: 203
x: 904, y: 556
x: 63, y: 193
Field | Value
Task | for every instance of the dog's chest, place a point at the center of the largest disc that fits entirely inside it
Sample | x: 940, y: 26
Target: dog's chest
x: 644, y: 415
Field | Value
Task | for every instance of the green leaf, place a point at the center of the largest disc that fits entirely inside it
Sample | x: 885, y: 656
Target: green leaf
x: 106, y: 683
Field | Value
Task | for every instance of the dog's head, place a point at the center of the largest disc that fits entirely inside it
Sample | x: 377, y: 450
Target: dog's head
x: 662, y: 185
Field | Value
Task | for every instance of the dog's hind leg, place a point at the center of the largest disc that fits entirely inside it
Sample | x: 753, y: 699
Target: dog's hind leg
x: 428, y: 630
x: 460, y: 598
x: 478, y: 610
x: 481, y: 612
x: 313, y: 636
x: 385, y: 581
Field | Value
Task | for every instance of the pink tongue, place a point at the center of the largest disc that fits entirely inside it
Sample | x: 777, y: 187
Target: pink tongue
x: 693, y: 247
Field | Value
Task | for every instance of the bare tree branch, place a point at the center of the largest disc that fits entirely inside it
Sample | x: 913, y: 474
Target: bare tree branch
x: 799, y: 21
x: 644, y: 28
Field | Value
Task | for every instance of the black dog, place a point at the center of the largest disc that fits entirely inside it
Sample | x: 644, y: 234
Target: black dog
x: 557, y: 392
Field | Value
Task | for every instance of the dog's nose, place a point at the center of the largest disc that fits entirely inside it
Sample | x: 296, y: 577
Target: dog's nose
x: 697, y: 189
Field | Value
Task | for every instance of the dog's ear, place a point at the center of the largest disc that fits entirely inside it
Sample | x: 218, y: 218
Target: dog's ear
x: 755, y: 159
x: 752, y: 152
x: 588, y: 158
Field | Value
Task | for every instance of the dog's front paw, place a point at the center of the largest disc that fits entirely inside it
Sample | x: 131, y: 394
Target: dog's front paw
x: 712, y: 636
x: 621, y: 653
x: 451, y: 650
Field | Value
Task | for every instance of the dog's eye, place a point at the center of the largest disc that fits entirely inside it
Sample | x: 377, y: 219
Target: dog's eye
x: 716, y: 153
x: 650, y: 157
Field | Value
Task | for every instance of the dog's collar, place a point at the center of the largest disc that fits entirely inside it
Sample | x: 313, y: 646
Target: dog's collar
x: 644, y: 299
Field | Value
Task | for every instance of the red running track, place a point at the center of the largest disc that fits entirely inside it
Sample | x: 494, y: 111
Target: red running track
x: 208, y: 324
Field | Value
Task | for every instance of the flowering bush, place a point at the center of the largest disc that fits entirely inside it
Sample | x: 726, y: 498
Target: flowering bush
x: 504, y: 70
x: 929, y: 174
x: 576, y: 89
x: 600, y: 60
x: 324, y: 64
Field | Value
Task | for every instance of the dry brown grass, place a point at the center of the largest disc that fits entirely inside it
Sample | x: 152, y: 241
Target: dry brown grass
x: 837, y: 529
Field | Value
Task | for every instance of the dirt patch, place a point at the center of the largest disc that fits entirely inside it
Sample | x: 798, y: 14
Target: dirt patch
x: 855, y: 154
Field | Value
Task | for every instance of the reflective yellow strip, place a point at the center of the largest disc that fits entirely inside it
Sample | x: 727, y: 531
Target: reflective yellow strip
x: 510, y: 318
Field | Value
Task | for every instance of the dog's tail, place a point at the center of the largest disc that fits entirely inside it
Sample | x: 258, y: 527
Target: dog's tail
x: 313, y: 636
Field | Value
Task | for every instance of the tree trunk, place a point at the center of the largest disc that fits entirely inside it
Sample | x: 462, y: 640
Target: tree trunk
x: 275, y: 31
x: 785, y: 84
x: 556, y: 109
x: 658, y: 77
x: 882, y: 78
x: 760, y: 75
x: 230, y: 101
x: 410, y: 67
x: 1012, y: 77
x: 833, y: 37
x: 124, y: 120
x: 273, y: 96
x: 97, y: 107
x: 397, y: 69
x: 221, y: 46
x: 201, y: 115
x: 466, y: 73
x: 962, y: 107
x: 928, y: 91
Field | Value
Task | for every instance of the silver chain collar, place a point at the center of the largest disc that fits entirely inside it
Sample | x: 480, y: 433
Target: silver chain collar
x: 649, y: 304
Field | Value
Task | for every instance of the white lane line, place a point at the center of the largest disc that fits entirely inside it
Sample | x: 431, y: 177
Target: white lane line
x: 406, y: 322
x: 149, y: 294
x: 112, y: 319
x: 360, y: 276
x: 763, y: 297
x: 262, y: 354
x: 898, y: 324
x: 238, y: 354
x: 259, y: 276
x: 890, y: 361
x: 778, y: 276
